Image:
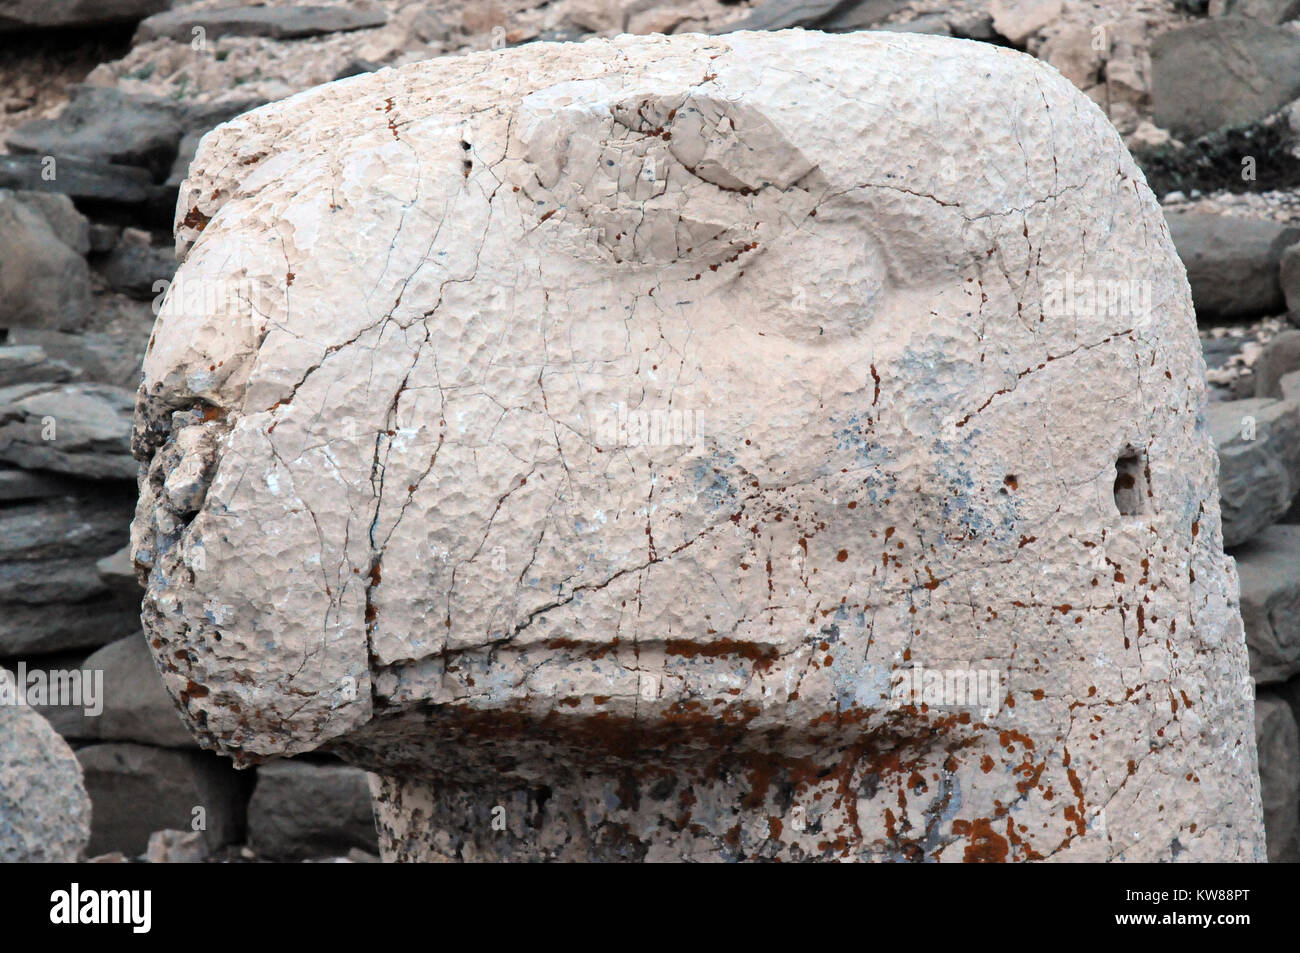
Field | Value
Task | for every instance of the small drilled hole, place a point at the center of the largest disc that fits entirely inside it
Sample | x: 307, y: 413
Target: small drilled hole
x: 1131, y: 489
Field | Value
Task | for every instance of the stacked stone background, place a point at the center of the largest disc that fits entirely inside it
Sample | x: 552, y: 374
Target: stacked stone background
x: 100, y: 113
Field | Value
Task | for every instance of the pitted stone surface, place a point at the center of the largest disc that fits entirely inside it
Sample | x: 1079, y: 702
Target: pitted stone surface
x: 603, y: 432
x: 44, y: 810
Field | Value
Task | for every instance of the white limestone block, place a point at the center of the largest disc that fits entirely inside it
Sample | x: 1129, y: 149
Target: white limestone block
x: 642, y: 420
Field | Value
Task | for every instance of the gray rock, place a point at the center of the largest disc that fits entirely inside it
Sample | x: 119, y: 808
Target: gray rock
x: 54, y: 598
x: 358, y: 856
x: 1288, y: 276
x: 43, y: 282
x: 934, y: 25
x: 1222, y: 73
x: 1289, y: 385
x: 1218, y: 351
x: 204, y: 116
x: 133, y: 269
x: 66, y: 527
x: 1290, y: 691
x: 82, y: 179
x: 136, y: 706
x: 1258, y: 443
x: 136, y: 790
x: 1278, y: 743
x: 280, y: 23
x: 1269, y: 567
x: 428, y: 27
x: 176, y: 847
x: 184, y: 156
x: 861, y: 15
x: 32, y: 485
x: 44, y: 810
x: 303, y: 810
x: 1242, y: 387
x: 972, y: 26
x: 73, y: 580
x: 79, y: 429
x: 104, y: 237
x: 69, y: 720
x: 1232, y: 262
x: 29, y: 364
x: 104, y: 124
x: 565, y: 32
x: 356, y: 67
x: 828, y: 15
x: 198, y: 121
x: 99, y: 356
x: 1281, y: 356
x: 43, y: 14
x: 61, y: 215
x: 1266, y: 11
x: 38, y: 629
x: 118, y: 572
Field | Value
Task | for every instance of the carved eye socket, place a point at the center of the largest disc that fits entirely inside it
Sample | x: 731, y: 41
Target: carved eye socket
x: 1132, y: 489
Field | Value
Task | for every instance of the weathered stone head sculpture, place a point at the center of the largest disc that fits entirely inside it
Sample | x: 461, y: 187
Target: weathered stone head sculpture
x: 762, y: 446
